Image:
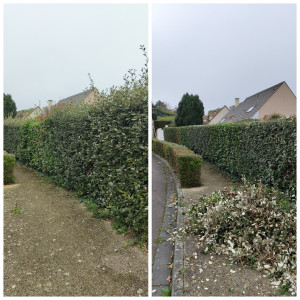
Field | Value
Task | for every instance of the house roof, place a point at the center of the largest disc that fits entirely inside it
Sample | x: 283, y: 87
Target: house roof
x: 217, y: 112
x: 27, y: 112
x: 251, y: 105
x: 75, y: 99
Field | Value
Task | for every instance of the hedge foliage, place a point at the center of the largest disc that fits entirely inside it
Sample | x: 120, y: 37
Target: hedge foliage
x: 9, y: 164
x: 186, y: 163
x: 100, y: 151
x: 161, y: 123
x: 252, y: 224
x: 11, y: 131
x: 263, y: 151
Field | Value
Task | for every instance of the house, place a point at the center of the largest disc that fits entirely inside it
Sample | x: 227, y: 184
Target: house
x: 219, y: 115
x: 29, y: 113
x: 88, y: 96
x: 210, y: 115
x: 205, y: 119
x: 278, y: 99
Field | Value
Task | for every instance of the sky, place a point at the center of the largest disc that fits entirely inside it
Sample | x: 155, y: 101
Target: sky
x: 49, y: 49
x: 221, y: 51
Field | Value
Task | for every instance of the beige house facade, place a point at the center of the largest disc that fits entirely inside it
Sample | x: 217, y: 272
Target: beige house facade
x: 219, y: 116
x: 35, y: 113
x: 277, y: 99
x: 30, y: 113
x: 282, y: 102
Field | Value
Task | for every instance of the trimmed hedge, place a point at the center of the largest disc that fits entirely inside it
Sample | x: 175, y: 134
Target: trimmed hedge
x: 161, y: 124
x: 186, y: 163
x: 99, y: 151
x: 9, y: 164
x: 11, y: 131
x: 263, y: 151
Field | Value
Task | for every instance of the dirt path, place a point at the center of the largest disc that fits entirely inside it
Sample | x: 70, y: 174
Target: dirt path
x: 214, y: 275
x: 55, y: 248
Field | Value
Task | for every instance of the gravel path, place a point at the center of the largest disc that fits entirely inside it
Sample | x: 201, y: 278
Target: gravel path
x: 55, y: 248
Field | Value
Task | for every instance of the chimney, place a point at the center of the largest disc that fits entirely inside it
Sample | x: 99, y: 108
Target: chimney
x: 237, y: 102
x: 50, y: 102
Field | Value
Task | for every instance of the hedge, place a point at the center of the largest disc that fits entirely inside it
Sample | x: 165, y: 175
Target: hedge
x: 11, y: 131
x: 9, y: 164
x: 161, y: 124
x: 99, y: 151
x: 186, y: 163
x: 263, y: 151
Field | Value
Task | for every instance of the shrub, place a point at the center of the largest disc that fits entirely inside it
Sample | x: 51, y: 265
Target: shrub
x: 186, y: 163
x: 161, y: 124
x: 154, y: 116
x: 273, y: 116
x: 9, y: 164
x: 263, y: 151
x: 9, y: 108
x: 169, y: 118
x: 254, y: 225
x: 11, y: 131
x: 190, y: 111
x: 99, y: 151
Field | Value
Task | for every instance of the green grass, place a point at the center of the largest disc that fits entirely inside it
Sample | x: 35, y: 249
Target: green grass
x: 158, y: 240
x: 17, y: 210
x: 166, y: 292
x: 129, y: 243
x: 183, y: 271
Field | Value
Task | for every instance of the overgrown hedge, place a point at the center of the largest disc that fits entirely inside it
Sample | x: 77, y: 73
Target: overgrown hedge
x: 263, y: 151
x: 100, y: 151
x: 186, y: 163
x: 9, y: 164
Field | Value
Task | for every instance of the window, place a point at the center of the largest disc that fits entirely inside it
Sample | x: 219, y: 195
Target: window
x: 250, y: 109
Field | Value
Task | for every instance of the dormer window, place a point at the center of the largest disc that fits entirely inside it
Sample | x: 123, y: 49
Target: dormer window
x: 250, y: 109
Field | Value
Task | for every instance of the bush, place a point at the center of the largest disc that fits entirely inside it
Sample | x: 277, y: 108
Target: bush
x: 254, y: 225
x: 11, y: 131
x: 161, y: 124
x: 9, y: 164
x: 10, y: 108
x: 263, y: 151
x: 186, y: 163
x: 169, y: 118
x: 99, y: 151
x: 190, y: 111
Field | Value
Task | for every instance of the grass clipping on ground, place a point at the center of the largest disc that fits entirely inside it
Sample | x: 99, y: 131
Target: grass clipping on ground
x: 253, y: 225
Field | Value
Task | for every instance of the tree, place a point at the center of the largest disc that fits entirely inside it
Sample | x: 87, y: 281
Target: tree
x: 190, y: 111
x: 161, y: 104
x: 10, y: 108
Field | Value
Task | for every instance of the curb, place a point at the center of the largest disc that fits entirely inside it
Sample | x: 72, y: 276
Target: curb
x: 177, y: 278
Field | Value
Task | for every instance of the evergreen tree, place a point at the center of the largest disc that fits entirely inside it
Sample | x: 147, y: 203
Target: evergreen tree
x: 10, y: 108
x: 190, y: 111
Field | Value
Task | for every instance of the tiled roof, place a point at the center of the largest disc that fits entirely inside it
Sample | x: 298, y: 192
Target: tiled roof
x: 75, y: 99
x: 251, y: 105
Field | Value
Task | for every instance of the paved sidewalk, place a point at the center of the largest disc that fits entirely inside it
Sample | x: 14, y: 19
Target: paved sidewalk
x: 163, y: 221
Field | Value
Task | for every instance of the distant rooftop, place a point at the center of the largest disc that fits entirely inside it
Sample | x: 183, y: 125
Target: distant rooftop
x: 251, y: 105
x: 75, y: 99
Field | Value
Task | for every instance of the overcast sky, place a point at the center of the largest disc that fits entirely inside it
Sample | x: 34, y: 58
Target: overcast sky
x: 222, y: 51
x: 50, y: 49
